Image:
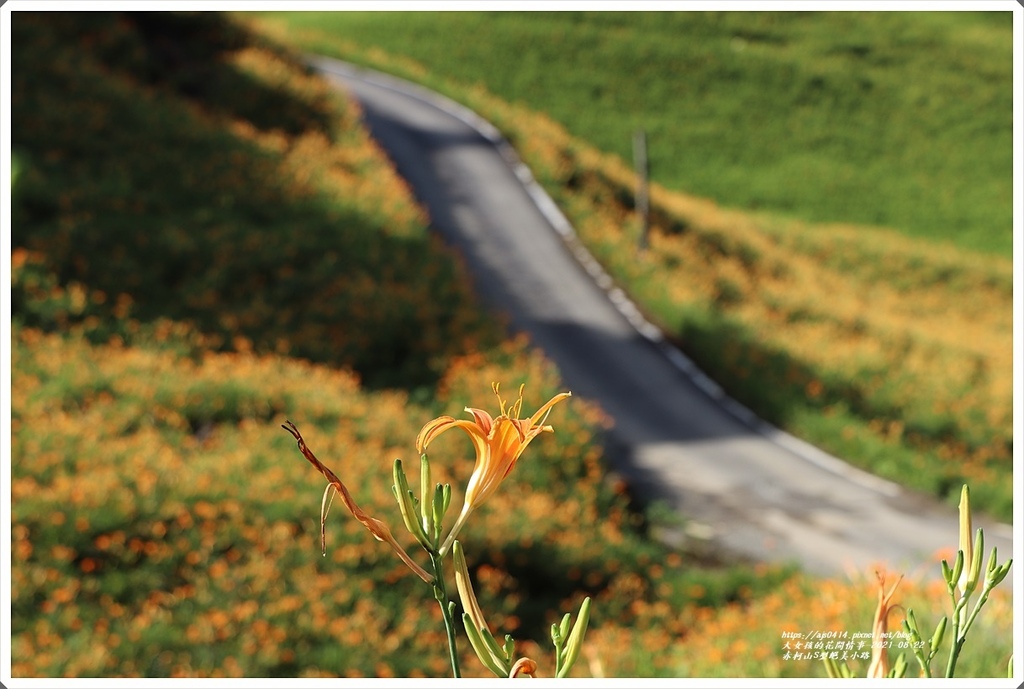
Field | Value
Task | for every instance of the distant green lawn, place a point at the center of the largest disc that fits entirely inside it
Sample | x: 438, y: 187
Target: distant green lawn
x: 900, y: 119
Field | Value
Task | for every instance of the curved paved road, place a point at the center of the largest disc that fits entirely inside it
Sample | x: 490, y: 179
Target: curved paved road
x: 746, y: 488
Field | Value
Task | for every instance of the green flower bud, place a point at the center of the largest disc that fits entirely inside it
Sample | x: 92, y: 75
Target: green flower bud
x: 405, y: 503
x: 479, y: 645
x: 910, y: 625
x: 575, y: 642
x: 999, y: 574
x: 965, y: 523
x: 958, y: 567
x: 940, y: 631
x: 426, y: 504
x: 564, y: 628
x: 947, y: 573
x: 899, y: 668
x: 975, y: 565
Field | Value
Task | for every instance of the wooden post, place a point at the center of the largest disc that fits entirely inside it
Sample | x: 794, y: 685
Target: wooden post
x: 642, y: 171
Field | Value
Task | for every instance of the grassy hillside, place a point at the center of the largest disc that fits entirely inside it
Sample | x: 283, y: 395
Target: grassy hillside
x: 898, y: 119
x: 206, y: 243
x: 892, y: 351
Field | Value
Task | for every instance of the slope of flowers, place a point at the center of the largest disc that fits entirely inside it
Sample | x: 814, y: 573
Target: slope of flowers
x: 191, y: 170
x: 164, y: 524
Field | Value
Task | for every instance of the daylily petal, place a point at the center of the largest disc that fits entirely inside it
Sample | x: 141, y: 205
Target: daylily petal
x: 431, y: 430
x: 436, y: 427
x: 540, y: 414
x: 482, y: 418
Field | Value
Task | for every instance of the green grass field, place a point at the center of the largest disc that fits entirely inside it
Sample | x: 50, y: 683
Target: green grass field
x: 201, y: 232
x: 898, y: 119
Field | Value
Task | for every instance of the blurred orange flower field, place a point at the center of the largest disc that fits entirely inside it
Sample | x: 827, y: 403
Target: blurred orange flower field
x: 196, y: 260
x: 164, y: 526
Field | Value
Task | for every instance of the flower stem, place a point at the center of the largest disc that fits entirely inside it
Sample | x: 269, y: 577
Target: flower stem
x: 958, y: 636
x: 447, y: 608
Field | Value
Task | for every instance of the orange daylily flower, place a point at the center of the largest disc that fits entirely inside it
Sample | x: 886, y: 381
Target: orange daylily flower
x: 879, y: 666
x: 523, y: 666
x: 499, y: 442
x: 376, y: 527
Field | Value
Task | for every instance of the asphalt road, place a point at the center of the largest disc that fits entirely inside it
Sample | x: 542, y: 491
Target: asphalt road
x: 744, y: 488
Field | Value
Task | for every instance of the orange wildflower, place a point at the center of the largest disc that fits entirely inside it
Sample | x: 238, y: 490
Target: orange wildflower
x: 523, y: 666
x: 499, y: 442
x: 879, y: 666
